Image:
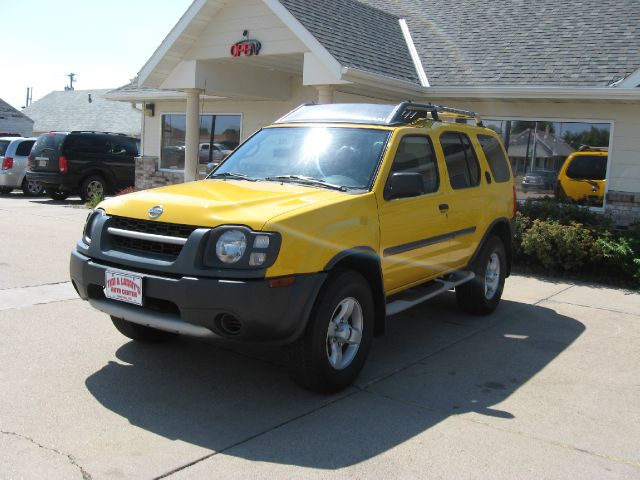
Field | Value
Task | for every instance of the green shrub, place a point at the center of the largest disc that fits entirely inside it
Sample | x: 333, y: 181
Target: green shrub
x: 557, y: 246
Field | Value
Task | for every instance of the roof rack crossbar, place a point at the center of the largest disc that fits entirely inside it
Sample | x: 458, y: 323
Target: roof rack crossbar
x: 407, y: 112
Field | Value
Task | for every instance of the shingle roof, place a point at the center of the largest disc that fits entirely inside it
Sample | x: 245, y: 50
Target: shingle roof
x: 71, y: 110
x: 548, y: 145
x: 357, y: 35
x: 546, y: 42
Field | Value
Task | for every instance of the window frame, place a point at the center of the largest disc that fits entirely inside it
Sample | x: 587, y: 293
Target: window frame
x: 435, y: 160
x: 160, y: 131
x: 475, y: 155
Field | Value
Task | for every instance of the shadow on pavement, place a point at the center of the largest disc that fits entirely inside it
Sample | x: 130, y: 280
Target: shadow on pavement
x: 451, y: 364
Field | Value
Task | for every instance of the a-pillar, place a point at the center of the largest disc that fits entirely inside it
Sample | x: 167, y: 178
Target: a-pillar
x: 325, y: 94
x: 192, y: 136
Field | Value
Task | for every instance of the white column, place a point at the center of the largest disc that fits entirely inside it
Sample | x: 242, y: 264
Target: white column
x: 325, y: 94
x: 192, y: 136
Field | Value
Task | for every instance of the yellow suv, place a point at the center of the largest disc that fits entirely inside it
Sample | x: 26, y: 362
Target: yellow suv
x: 309, y: 235
x: 582, y: 175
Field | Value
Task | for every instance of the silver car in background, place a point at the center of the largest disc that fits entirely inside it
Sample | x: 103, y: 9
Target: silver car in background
x: 14, y: 156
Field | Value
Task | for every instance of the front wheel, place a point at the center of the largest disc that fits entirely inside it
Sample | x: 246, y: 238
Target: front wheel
x: 141, y: 333
x: 482, y: 294
x: 338, y: 337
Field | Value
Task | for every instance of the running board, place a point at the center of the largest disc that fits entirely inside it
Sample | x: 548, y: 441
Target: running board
x: 416, y: 295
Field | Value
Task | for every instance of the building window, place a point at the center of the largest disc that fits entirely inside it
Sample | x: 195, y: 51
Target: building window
x: 219, y: 135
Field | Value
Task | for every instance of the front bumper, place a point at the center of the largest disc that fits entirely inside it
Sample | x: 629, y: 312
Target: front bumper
x: 196, y: 306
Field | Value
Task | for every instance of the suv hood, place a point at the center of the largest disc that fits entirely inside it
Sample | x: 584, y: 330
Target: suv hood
x: 210, y: 203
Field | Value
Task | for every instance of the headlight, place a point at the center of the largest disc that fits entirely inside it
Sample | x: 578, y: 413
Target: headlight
x: 231, y: 246
x: 88, y: 226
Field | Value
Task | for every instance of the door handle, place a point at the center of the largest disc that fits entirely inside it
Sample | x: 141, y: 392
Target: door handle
x: 443, y: 207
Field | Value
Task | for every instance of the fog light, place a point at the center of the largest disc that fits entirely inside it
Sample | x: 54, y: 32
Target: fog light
x: 261, y: 241
x: 257, y: 259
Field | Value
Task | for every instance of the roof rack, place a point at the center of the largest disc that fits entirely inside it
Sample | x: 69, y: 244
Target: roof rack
x: 589, y: 148
x: 407, y: 112
x: 93, y: 131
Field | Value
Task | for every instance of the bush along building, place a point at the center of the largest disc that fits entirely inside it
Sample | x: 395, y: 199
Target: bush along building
x: 228, y: 68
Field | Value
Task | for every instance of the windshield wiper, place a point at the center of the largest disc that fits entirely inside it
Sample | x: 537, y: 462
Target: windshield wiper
x: 306, y: 181
x: 234, y: 176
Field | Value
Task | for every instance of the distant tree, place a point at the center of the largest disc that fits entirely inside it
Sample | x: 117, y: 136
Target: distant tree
x: 520, y: 126
x: 595, y: 137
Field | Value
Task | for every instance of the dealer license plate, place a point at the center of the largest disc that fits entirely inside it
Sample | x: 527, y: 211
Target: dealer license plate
x: 123, y: 286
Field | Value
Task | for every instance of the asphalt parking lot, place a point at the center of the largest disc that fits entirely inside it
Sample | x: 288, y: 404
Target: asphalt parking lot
x: 546, y: 387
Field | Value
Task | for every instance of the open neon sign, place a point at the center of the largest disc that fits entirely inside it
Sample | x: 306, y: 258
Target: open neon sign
x: 247, y: 47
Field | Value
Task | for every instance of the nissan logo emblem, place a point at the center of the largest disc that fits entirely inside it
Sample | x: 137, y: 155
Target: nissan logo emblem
x: 155, y: 212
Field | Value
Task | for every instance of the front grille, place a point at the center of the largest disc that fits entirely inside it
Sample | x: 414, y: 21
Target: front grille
x: 156, y: 228
x: 168, y: 250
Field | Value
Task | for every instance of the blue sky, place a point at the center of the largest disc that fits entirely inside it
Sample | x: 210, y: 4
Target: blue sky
x: 104, y: 43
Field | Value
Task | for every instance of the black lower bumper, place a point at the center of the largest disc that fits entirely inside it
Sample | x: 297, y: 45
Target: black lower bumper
x: 263, y: 313
x: 53, y: 180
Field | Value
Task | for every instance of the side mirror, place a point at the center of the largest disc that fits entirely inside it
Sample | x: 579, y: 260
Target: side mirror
x: 403, y: 185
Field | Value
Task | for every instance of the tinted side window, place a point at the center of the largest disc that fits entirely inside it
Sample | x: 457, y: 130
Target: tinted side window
x: 25, y: 147
x: 495, y: 157
x: 122, y: 146
x: 86, y: 144
x: 588, y: 167
x: 462, y: 164
x: 416, y: 154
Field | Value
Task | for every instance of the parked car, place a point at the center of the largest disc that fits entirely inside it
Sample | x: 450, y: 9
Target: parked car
x: 583, y: 175
x: 214, y: 152
x: 309, y: 234
x: 14, y: 153
x: 89, y: 163
x: 539, y: 180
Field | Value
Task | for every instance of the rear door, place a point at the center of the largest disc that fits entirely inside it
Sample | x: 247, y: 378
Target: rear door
x: 121, y: 158
x: 46, y: 152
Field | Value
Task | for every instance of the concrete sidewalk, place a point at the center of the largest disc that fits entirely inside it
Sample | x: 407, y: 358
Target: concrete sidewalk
x: 546, y: 387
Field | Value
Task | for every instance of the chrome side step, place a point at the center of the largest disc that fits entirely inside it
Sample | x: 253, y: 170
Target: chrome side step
x: 162, y: 321
x: 416, y: 295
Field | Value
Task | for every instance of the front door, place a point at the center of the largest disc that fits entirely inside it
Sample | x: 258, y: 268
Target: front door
x: 413, y: 230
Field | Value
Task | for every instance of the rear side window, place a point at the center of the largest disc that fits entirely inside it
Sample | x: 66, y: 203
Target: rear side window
x: 4, y: 144
x: 588, y: 167
x: 416, y: 154
x: 462, y: 164
x: 86, y: 144
x: 25, y: 147
x: 495, y: 157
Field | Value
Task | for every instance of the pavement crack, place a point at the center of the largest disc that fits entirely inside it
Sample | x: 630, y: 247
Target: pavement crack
x: 85, y: 475
x: 259, y: 434
x: 34, y: 286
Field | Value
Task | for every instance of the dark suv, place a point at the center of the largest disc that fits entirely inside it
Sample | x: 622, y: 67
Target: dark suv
x: 89, y: 163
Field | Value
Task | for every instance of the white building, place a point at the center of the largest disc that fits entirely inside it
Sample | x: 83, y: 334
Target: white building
x: 229, y: 67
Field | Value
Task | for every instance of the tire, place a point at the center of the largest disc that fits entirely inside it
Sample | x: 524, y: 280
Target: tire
x: 56, y: 194
x: 31, y: 188
x: 92, y: 187
x: 481, y: 295
x: 329, y: 357
x: 5, y: 190
x: 141, y: 333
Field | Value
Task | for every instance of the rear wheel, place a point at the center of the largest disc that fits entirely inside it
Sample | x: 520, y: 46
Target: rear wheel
x: 56, y: 194
x: 5, y: 190
x: 93, y: 187
x: 141, y: 333
x: 338, y: 337
x: 482, y: 294
x: 31, y: 188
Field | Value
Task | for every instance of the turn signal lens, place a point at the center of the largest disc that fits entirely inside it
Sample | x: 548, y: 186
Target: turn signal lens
x: 261, y: 241
x: 257, y: 259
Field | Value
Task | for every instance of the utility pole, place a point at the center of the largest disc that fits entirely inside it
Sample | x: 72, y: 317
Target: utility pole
x: 29, y: 97
x: 72, y: 77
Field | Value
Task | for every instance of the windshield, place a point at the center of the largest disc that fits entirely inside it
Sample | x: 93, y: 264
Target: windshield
x: 345, y: 157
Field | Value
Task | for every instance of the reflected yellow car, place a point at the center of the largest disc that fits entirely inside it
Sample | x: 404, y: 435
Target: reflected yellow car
x: 583, y: 175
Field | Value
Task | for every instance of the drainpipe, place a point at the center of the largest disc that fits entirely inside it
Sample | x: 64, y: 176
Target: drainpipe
x: 192, y: 136
x: 325, y: 94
